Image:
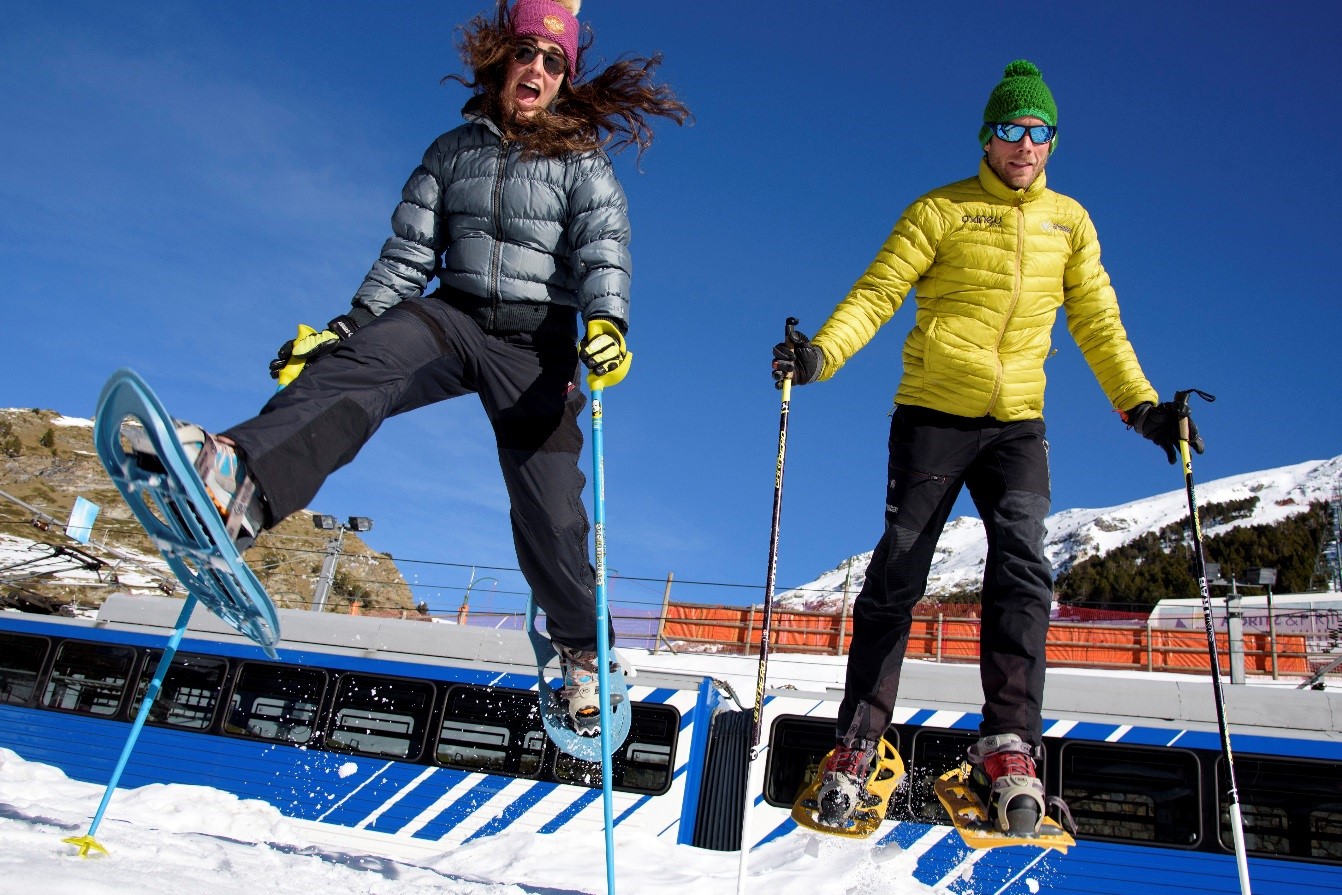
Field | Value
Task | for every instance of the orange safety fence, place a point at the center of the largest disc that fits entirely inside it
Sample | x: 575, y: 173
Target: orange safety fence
x: 735, y: 629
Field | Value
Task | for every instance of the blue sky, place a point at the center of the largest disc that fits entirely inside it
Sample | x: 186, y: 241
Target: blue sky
x: 182, y: 183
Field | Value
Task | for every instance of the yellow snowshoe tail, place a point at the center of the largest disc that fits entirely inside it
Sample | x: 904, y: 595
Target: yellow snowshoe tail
x: 881, y: 784
x: 971, y: 819
x: 85, y: 844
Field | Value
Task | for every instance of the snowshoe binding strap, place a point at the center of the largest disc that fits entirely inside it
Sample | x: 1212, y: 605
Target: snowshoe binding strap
x: 861, y: 816
x: 1004, y: 776
x: 1017, y: 804
x: 582, y: 691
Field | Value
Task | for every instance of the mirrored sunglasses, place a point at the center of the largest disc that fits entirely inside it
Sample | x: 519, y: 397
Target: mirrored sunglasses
x: 555, y: 64
x: 1012, y: 133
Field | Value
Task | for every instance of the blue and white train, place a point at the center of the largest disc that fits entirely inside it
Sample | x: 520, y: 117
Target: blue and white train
x: 404, y: 739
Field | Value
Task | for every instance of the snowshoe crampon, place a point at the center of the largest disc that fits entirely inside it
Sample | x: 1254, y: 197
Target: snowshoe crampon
x: 873, y: 800
x: 967, y: 811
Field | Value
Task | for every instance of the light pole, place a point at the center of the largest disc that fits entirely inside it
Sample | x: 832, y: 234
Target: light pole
x: 1234, y: 623
x: 1266, y: 578
x: 1262, y: 577
x: 327, y: 576
x: 465, y: 610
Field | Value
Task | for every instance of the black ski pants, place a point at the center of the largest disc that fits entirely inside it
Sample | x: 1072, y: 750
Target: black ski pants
x: 419, y: 352
x: 1005, y: 467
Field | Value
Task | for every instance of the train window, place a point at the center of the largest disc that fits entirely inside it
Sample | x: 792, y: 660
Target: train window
x: 189, y: 693
x: 88, y: 677
x: 275, y: 702
x: 796, y: 747
x: 1130, y: 794
x: 1290, y: 807
x: 642, y: 764
x: 380, y: 716
x: 934, y: 753
x: 21, y: 660
x: 496, y: 730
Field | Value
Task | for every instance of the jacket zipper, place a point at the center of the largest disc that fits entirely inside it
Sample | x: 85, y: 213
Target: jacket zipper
x: 496, y: 259
x: 1011, y: 309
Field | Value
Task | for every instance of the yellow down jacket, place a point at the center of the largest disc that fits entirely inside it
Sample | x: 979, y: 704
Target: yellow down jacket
x: 989, y: 267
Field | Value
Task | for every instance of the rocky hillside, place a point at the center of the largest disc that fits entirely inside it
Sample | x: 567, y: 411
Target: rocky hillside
x: 47, y: 461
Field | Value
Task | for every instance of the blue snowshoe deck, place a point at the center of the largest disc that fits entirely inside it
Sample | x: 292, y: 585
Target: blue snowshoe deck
x: 176, y: 512
x: 553, y: 713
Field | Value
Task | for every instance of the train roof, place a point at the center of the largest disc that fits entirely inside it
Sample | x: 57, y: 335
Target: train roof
x: 1151, y: 699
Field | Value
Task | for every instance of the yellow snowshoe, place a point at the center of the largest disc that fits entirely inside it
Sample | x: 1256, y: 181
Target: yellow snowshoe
x: 966, y: 809
x: 858, y: 814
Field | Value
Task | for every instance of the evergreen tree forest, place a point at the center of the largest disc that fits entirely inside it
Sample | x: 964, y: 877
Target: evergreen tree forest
x: 1159, y: 565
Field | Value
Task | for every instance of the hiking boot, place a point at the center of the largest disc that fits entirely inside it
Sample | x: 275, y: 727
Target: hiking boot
x: 221, y: 468
x: 1004, y: 777
x: 843, y: 787
x: 582, y: 688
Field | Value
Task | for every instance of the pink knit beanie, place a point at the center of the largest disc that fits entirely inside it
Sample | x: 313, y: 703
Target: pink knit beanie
x: 550, y: 20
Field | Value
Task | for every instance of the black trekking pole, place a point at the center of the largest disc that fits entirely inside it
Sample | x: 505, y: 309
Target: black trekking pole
x: 1200, y: 567
x: 757, y: 713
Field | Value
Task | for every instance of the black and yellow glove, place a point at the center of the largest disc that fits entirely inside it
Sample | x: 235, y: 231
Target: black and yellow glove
x: 604, y: 353
x: 309, y: 345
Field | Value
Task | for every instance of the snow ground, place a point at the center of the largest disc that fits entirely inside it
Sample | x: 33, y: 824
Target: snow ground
x: 173, y: 839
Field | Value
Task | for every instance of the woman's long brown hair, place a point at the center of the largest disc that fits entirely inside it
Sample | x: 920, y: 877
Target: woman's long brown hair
x: 610, y: 111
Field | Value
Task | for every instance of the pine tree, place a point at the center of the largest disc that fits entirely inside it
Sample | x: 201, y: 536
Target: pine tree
x: 1158, y: 565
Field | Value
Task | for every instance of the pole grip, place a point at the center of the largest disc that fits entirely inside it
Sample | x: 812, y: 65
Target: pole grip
x: 789, y: 338
x: 1181, y: 407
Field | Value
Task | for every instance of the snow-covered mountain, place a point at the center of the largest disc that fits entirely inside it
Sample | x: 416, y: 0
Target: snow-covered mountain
x: 1074, y: 535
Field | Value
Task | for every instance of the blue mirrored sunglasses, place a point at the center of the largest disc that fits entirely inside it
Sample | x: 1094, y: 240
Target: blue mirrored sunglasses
x: 1012, y: 133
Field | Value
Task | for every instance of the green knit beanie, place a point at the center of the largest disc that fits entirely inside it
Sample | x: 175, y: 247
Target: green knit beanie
x: 1021, y: 92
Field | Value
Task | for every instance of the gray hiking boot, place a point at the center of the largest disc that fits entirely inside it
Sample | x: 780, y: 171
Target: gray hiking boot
x: 843, y: 786
x: 1005, y: 778
x: 223, y: 472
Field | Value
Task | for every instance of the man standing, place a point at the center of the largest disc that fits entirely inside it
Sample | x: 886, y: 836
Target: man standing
x: 991, y: 258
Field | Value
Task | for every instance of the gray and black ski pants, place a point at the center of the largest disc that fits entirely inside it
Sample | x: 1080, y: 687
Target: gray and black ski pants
x: 419, y: 352
x: 1005, y: 467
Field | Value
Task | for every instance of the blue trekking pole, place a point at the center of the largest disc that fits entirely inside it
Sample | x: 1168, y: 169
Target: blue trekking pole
x: 597, y: 384
x: 86, y: 842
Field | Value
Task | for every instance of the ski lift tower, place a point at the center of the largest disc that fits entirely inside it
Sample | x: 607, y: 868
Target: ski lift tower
x: 1328, y: 564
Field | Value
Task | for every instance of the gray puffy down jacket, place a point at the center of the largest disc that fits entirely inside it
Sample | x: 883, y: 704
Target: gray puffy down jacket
x: 523, y: 245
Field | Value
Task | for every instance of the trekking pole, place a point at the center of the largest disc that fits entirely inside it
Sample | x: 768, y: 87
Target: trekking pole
x: 87, y: 843
x: 757, y: 713
x: 1200, y: 566
x: 596, y: 384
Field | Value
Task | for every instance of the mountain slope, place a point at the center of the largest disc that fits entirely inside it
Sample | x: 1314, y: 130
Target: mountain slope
x: 1075, y: 535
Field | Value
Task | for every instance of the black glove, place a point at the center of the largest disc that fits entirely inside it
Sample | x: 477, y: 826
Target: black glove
x: 1160, y: 423
x: 310, y: 345
x: 798, y: 357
